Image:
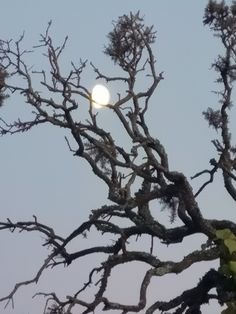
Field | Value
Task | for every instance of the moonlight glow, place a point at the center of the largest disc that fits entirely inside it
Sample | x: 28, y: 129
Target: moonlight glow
x: 100, y: 96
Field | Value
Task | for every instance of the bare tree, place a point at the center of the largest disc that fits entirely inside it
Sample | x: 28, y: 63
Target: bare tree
x: 135, y: 175
x: 3, y: 76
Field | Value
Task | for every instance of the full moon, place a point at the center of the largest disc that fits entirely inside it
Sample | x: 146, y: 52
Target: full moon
x: 100, y: 96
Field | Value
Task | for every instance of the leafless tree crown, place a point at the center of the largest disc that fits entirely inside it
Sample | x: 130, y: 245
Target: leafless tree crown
x: 135, y: 176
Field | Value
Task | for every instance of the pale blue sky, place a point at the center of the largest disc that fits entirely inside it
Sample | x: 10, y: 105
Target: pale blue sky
x: 41, y: 177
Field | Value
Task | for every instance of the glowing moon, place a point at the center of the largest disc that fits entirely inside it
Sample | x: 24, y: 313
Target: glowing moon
x: 100, y: 96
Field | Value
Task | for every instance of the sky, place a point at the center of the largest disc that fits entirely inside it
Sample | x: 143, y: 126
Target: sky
x: 39, y: 176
